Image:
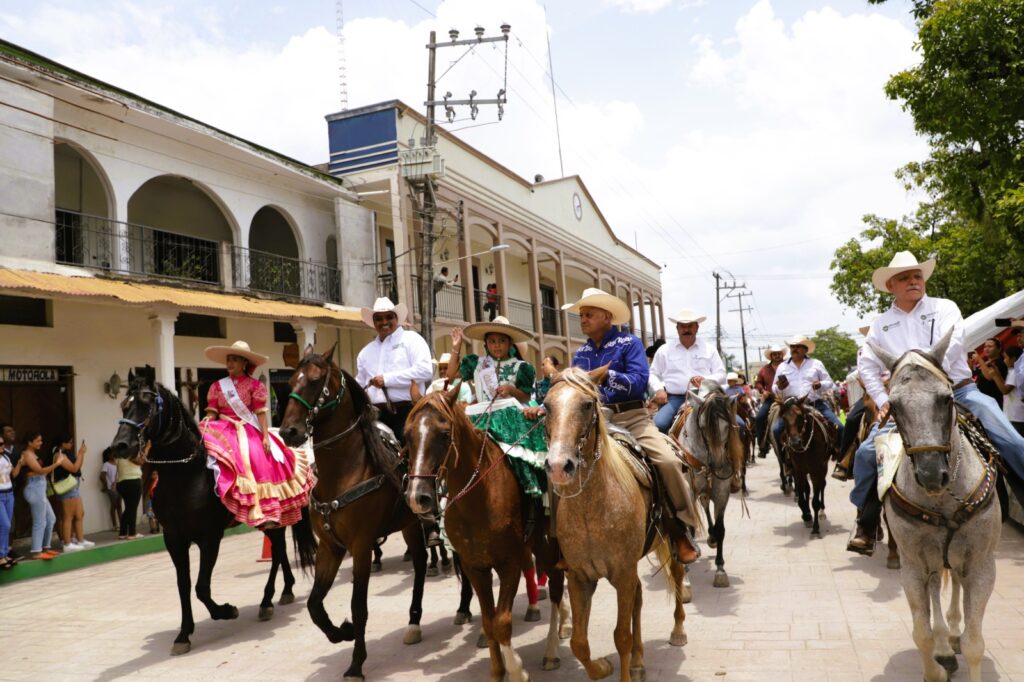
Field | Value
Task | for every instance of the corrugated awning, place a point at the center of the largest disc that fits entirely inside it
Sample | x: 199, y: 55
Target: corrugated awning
x: 142, y: 294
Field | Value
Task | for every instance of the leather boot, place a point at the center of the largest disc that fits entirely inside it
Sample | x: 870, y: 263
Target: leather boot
x: 686, y: 552
x: 736, y: 483
x: 863, y: 541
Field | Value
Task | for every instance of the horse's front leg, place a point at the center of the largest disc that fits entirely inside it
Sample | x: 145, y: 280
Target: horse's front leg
x: 637, y: 673
x: 721, y: 577
x: 944, y: 655
x: 915, y: 587
x: 501, y: 626
x: 678, y: 636
x: 276, y: 538
x: 416, y: 544
x: 625, y: 597
x: 559, y: 614
x: 325, y: 569
x: 361, y: 557
x: 481, y: 579
x: 977, y: 589
x: 818, y: 502
x: 177, y: 547
x: 209, y: 549
x: 954, y: 616
x: 581, y: 594
x: 287, y: 594
x: 463, y: 615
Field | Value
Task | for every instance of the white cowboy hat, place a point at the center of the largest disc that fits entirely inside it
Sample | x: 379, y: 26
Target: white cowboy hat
x: 775, y: 348
x: 901, y: 262
x: 801, y: 340
x: 596, y: 298
x: 444, y: 359
x: 1017, y: 324
x: 384, y: 305
x: 732, y: 376
x: 687, y: 315
x: 499, y: 325
x: 219, y: 354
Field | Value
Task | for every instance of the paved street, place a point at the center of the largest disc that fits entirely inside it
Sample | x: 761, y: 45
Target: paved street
x: 798, y: 609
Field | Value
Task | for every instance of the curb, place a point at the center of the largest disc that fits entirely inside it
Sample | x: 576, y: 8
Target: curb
x: 90, y: 557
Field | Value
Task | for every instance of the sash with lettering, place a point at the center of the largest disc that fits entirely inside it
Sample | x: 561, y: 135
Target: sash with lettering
x: 256, y: 486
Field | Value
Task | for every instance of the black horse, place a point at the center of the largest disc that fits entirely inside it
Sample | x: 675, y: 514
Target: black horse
x: 186, y: 503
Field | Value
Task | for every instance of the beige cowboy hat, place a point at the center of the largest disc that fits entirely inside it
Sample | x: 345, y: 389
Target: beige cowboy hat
x: 384, y: 305
x: 732, y: 376
x: 901, y: 262
x: 219, y: 354
x: 801, y: 340
x: 775, y: 348
x: 596, y: 298
x: 445, y: 359
x: 686, y: 316
x: 499, y: 325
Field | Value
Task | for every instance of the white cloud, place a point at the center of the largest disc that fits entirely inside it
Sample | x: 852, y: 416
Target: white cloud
x: 652, y: 6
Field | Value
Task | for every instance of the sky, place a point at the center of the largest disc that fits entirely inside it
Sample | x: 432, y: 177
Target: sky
x: 747, y: 137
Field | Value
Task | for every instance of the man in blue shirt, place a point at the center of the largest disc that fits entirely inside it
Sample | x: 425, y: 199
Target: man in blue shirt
x: 623, y: 391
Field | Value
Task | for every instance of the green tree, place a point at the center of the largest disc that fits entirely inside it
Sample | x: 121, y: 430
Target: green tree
x: 837, y: 351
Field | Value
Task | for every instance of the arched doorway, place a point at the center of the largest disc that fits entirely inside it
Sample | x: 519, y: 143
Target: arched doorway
x: 82, y: 199
x: 273, y: 263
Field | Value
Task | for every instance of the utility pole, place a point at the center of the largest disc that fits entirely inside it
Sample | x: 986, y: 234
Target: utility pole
x: 719, y: 287
x: 743, y: 330
x: 425, y: 164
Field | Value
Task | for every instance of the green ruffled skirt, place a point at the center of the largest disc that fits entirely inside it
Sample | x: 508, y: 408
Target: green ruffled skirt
x: 509, y: 428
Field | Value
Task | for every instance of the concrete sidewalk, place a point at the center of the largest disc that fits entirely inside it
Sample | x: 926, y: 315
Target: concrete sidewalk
x: 798, y: 609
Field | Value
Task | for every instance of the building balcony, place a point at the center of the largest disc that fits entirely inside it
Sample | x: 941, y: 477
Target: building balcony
x: 137, y: 250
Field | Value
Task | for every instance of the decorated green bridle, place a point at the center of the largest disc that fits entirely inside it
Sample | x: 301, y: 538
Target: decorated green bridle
x: 323, y: 404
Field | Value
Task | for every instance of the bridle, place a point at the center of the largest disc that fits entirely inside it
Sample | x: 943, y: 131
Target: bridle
x: 323, y: 404
x: 156, y: 409
x: 808, y: 421
x: 590, y: 466
x: 919, y: 360
x: 698, y: 413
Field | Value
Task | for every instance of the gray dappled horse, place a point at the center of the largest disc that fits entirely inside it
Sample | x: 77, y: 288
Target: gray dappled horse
x: 714, y: 454
x: 942, y: 511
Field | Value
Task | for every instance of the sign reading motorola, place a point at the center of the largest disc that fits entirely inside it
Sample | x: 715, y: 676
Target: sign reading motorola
x: 29, y: 375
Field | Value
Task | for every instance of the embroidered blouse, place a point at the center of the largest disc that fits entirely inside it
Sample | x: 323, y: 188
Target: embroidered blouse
x: 514, y: 371
x: 252, y: 391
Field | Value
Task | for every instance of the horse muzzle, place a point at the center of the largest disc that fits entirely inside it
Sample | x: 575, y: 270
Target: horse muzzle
x: 931, y: 472
x: 293, y: 436
x: 421, y: 496
x: 561, y: 470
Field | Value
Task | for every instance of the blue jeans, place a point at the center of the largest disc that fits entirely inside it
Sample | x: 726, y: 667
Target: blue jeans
x: 663, y: 418
x: 761, y: 420
x: 826, y: 412
x: 1006, y: 439
x: 43, y: 517
x: 6, y: 520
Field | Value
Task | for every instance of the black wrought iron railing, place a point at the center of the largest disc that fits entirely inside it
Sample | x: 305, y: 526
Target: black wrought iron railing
x: 520, y: 313
x: 551, y: 320
x: 271, y: 273
x: 447, y: 299
x: 97, y: 242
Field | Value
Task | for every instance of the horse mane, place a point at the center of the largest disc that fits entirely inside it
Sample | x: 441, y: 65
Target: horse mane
x: 714, y: 408
x: 382, y: 459
x: 172, y: 409
x: 621, y: 472
x: 456, y: 414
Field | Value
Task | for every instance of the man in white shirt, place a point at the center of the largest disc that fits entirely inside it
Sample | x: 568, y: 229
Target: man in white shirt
x: 682, y: 363
x: 1013, y: 402
x: 917, y: 322
x: 389, y: 365
x: 801, y: 376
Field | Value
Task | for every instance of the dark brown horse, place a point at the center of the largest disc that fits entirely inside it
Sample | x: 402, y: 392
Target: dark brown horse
x: 357, y: 498
x: 807, y: 438
x: 485, y: 520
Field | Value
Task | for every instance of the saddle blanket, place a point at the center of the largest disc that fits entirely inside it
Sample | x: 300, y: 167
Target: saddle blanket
x: 889, y: 447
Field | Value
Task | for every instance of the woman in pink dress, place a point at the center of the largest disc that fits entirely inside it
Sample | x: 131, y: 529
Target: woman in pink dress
x: 261, y: 481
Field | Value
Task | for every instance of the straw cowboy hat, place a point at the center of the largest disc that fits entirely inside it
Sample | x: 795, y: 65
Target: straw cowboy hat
x: 686, y: 316
x: 596, y: 298
x: 219, y: 354
x: 384, y: 305
x: 445, y: 359
x: 732, y: 376
x: 901, y: 262
x: 775, y: 348
x: 801, y: 340
x: 499, y: 325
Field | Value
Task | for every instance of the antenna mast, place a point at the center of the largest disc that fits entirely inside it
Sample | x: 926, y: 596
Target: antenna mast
x: 342, y: 75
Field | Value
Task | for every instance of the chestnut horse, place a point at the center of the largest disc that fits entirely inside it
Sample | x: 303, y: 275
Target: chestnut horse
x: 357, y: 498
x: 485, y: 520
x: 807, y: 438
x: 602, y: 521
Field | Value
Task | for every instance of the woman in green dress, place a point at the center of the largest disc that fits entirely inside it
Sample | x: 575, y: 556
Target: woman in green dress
x: 502, y: 384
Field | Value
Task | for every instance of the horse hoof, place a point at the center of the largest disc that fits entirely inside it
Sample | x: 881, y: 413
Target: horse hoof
x: 266, y: 613
x: 565, y: 631
x: 893, y: 562
x: 686, y: 595
x: 180, y: 648
x: 286, y: 598
x: 677, y: 639
x: 542, y: 593
x: 948, y: 662
x: 637, y: 675
x: 721, y: 579
x: 462, y: 618
x: 604, y: 668
x: 532, y: 614
x: 431, y: 571
x: 808, y: 523
x: 353, y: 678
x: 711, y: 543
x: 482, y: 642
x: 376, y: 567
x: 413, y: 635
x: 954, y: 642
x: 551, y: 663
x: 346, y: 632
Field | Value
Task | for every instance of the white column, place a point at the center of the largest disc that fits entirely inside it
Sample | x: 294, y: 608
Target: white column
x: 162, y: 322
x: 305, y: 330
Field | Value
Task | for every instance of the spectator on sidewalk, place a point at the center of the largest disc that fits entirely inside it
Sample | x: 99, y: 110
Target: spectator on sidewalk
x: 129, y: 487
x: 990, y: 373
x: 72, y: 532
x: 108, y: 483
x: 43, y: 517
x: 1013, y: 402
x: 9, y: 470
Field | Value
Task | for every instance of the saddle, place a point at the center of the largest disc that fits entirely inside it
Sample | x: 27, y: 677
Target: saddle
x: 646, y: 474
x: 389, y: 438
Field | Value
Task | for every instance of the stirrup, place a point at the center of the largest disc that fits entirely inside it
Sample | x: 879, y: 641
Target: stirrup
x: 840, y: 473
x: 861, y: 544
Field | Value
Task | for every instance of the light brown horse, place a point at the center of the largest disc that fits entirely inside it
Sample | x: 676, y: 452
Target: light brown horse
x: 602, y: 522
x: 357, y: 498
x: 484, y: 520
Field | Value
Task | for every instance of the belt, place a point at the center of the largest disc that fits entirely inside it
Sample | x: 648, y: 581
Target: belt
x: 962, y: 384
x: 619, y: 408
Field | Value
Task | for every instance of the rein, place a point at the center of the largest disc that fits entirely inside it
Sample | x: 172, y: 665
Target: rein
x: 580, y: 444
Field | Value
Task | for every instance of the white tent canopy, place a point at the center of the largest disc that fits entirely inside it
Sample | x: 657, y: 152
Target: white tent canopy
x: 982, y: 324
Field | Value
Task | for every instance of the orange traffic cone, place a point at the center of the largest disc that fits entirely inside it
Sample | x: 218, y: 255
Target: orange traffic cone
x: 267, y: 551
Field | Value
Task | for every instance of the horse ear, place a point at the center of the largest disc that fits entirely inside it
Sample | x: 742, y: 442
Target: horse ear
x: 452, y: 395
x: 803, y: 401
x: 734, y: 405
x: 150, y: 375
x: 938, y: 351
x: 308, y: 351
x: 599, y: 375
x: 329, y: 353
x: 695, y: 398
x: 887, y: 358
x: 131, y: 376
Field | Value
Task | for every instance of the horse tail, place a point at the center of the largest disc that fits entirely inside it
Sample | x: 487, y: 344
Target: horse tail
x: 304, y: 542
x: 664, y: 555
